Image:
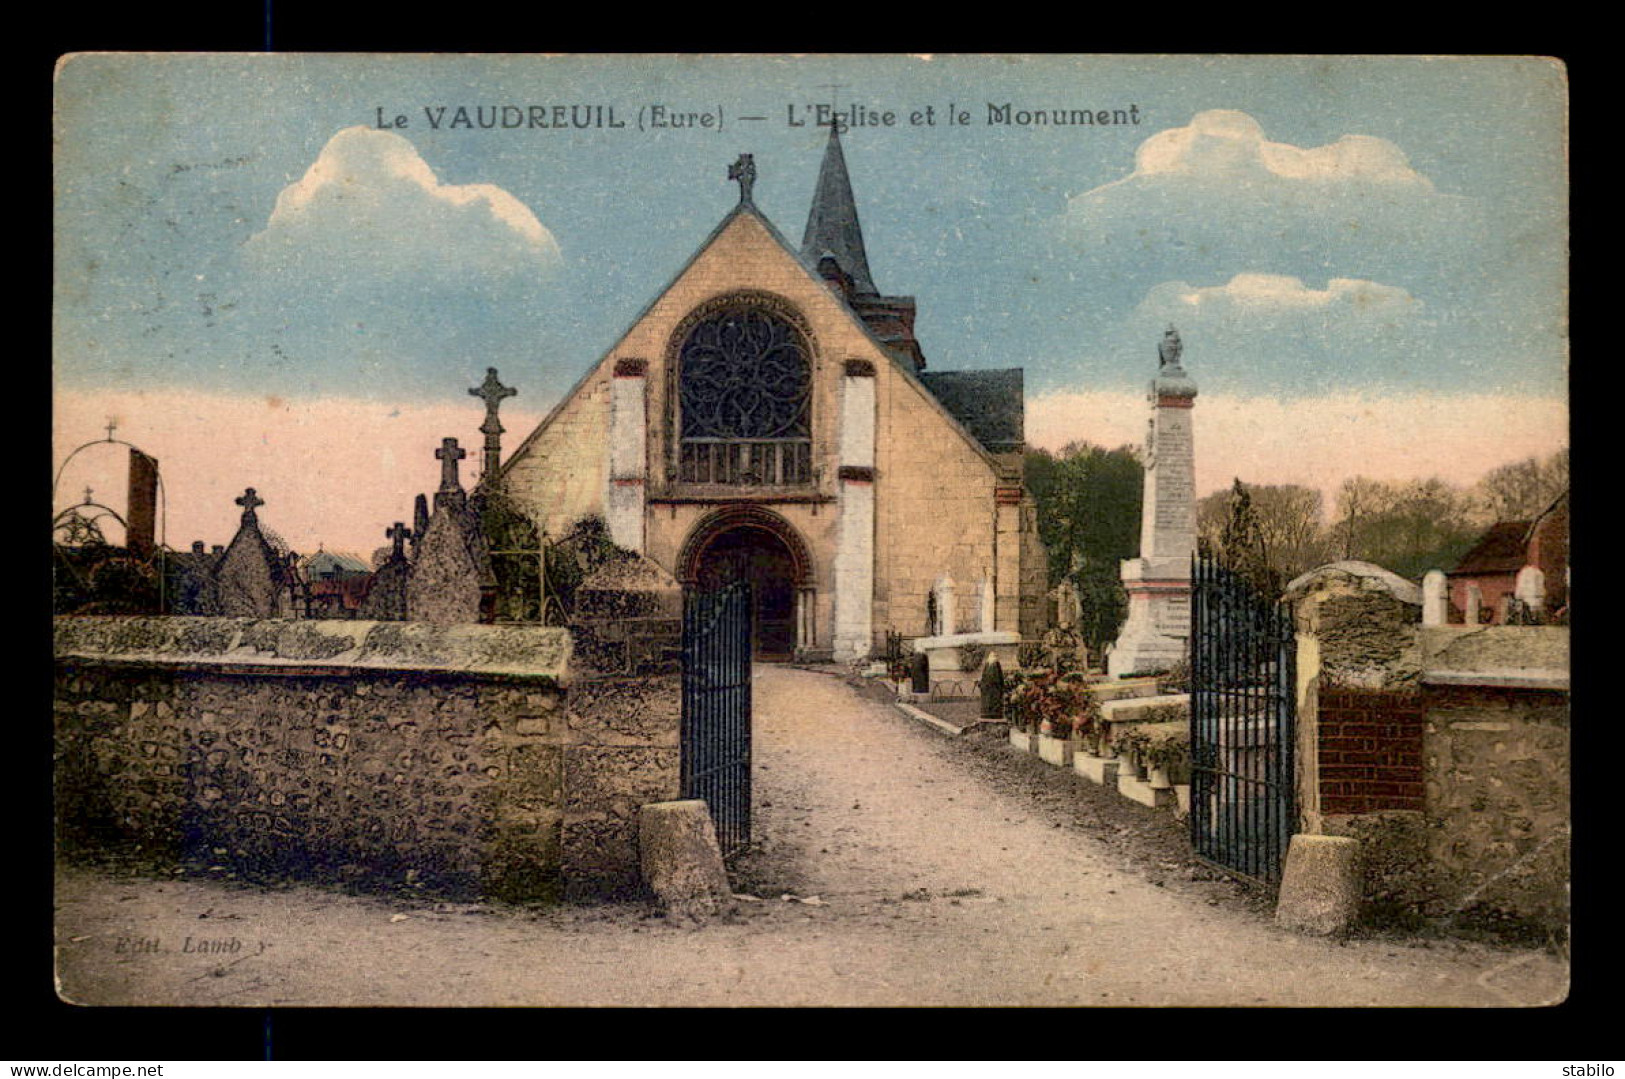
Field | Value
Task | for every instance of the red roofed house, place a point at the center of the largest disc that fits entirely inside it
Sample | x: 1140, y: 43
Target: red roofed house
x: 1508, y: 546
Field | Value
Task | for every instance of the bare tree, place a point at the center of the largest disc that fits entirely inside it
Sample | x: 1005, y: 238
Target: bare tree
x: 1519, y: 491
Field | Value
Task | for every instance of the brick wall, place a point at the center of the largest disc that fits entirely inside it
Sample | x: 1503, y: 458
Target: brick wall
x: 1370, y: 751
x: 454, y: 759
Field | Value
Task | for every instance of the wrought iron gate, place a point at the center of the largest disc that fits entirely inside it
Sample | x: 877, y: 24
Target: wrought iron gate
x: 716, y: 707
x: 1243, y: 696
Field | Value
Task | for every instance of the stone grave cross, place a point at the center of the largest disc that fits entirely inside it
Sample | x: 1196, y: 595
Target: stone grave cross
x: 492, y: 392
x: 398, y: 534
x: 448, y: 455
x: 249, y: 500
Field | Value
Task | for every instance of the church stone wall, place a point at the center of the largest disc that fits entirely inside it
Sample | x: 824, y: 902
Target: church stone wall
x: 558, y: 477
x: 936, y: 513
x: 462, y: 760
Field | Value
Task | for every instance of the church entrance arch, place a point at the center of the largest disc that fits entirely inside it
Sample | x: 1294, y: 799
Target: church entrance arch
x: 748, y: 543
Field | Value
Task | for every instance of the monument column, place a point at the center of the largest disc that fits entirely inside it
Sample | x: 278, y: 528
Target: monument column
x: 1157, y: 631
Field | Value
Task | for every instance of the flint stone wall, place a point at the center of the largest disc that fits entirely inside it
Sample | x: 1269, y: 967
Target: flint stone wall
x: 463, y: 760
x: 1496, y: 708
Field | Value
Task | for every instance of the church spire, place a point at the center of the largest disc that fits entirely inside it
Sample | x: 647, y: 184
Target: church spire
x: 832, y: 226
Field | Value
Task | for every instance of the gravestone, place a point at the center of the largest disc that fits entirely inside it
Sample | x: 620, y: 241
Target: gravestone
x: 919, y: 673
x: 1530, y: 588
x: 1068, y: 607
x: 386, y: 598
x: 420, y: 522
x: 1435, y: 598
x: 451, y: 570
x: 993, y: 690
x: 249, y: 575
x: 943, y: 592
x: 1063, y: 650
x: 193, y: 588
x: 1475, y: 603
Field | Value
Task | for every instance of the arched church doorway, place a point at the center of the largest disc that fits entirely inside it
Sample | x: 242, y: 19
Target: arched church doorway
x: 757, y: 546
x: 763, y: 559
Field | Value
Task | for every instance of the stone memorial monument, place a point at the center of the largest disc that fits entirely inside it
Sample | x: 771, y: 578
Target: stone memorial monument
x: 1156, y: 634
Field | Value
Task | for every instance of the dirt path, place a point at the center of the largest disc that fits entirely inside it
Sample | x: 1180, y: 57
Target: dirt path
x: 918, y: 878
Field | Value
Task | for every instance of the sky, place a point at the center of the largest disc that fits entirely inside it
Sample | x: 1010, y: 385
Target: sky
x: 285, y: 271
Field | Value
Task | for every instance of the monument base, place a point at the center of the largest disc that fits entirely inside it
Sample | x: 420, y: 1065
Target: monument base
x: 1155, y: 635
x: 1150, y: 652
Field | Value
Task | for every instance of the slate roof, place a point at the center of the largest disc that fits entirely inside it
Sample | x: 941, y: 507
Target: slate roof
x: 832, y: 224
x: 988, y: 404
x: 1503, y: 549
x: 326, y: 563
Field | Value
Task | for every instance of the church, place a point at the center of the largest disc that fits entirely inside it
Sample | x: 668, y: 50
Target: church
x: 770, y: 416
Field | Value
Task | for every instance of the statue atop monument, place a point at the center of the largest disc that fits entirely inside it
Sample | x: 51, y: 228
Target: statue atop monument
x: 1170, y: 348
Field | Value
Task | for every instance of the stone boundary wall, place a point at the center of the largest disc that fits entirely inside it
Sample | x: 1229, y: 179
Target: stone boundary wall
x: 1443, y: 749
x: 1370, y: 751
x: 462, y: 760
x: 1498, y: 802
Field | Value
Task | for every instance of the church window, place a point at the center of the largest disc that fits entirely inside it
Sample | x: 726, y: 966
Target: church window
x: 744, y: 393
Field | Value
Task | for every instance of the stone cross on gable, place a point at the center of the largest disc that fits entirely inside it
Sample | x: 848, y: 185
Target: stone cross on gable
x: 249, y: 501
x: 88, y: 493
x: 398, y: 534
x: 448, y: 455
x: 744, y: 171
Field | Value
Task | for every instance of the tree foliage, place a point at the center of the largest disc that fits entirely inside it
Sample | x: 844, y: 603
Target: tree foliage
x: 1270, y: 534
x: 1088, y: 500
x: 1408, y: 527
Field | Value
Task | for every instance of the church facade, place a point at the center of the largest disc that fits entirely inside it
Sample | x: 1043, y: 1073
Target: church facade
x: 770, y: 416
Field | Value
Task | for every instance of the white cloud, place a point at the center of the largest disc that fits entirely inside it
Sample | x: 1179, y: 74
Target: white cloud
x: 370, y: 203
x: 1320, y: 441
x: 1217, y: 196
x: 1230, y: 145
x: 1279, y: 292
